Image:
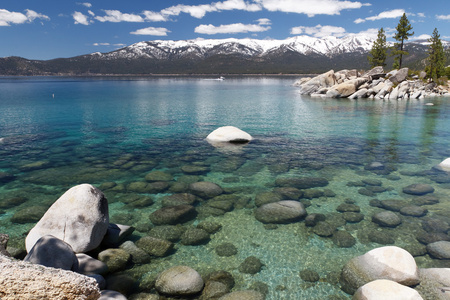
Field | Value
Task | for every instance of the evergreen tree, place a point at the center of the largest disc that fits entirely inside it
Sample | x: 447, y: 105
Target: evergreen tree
x: 403, y: 32
x: 436, y: 57
x: 379, y: 50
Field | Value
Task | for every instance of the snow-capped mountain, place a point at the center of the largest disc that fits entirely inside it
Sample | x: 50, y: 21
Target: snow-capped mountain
x: 202, y: 48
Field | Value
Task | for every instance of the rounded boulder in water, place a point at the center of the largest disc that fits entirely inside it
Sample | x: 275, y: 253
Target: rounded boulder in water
x: 229, y: 134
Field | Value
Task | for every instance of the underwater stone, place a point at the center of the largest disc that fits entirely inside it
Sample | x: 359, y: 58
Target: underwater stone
x: 267, y: 197
x: 324, y: 229
x: 286, y: 211
x: 138, y: 256
x: 374, y: 166
x: 226, y: 249
x: 386, y: 219
x: 141, y: 202
x: 309, y: 275
x: 376, y: 189
x: 439, y: 250
x: 12, y: 202
x: 243, y: 295
x: 312, y: 219
x: 179, y: 281
x: 79, y: 217
x: 353, y: 217
x: 115, y: 259
x: 431, y: 237
x: 425, y: 200
x: 29, y: 214
x: 116, y: 234
x: 173, y: 215
x: 343, y: 239
x: 195, y: 169
x: 381, y: 237
x: 372, y: 182
x: 435, y: 225
x: 366, y: 192
x: 158, y: 176
x: 214, y: 290
x: 413, y: 211
x: 6, y: 177
x: 418, y: 189
x: 346, y: 207
x: 385, y: 289
x: 393, y: 205
x: 167, y: 232
x: 302, y: 182
x: 154, y: 246
x: 209, y: 226
x: 178, y: 199
x: 223, y: 277
x: 120, y: 283
x: 88, y: 265
x: 312, y: 193
x: 195, y: 236
x: 205, y: 189
x: 251, y: 265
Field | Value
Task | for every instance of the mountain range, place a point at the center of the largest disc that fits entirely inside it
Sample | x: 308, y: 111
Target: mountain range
x: 296, y: 55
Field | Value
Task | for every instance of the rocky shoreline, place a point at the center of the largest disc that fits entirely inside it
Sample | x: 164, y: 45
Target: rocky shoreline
x: 374, y: 84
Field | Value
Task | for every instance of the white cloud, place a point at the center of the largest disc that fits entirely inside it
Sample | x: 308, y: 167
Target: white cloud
x: 87, y: 4
x: 421, y: 37
x: 311, y: 7
x: 10, y: 17
x: 158, y: 31
x: 443, y: 17
x: 230, y: 28
x: 390, y: 14
x: 101, y: 44
x: 264, y: 21
x: 319, y: 31
x: 422, y: 15
x: 80, y: 18
x: 152, y: 16
x: 91, y: 13
x: 117, y: 16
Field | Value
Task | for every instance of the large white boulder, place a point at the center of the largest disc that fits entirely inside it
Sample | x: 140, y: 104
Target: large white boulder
x: 390, y: 262
x: 79, y: 217
x: 444, y: 165
x: 385, y: 289
x: 327, y: 79
x: 229, y: 134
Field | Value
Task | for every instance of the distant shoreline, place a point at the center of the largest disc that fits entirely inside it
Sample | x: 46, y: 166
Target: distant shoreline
x: 165, y: 75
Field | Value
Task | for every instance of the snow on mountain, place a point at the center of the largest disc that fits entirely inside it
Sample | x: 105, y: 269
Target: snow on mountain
x: 202, y: 48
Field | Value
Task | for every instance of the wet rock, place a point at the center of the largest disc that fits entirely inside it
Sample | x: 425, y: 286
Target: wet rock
x: 353, y: 217
x: 157, y: 187
x: 418, y: 189
x: 141, y: 202
x: 116, y: 234
x: 251, y: 265
x: 393, y: 205
x: 178, y: 199
x: 309, y: 275
x: 154, y: 246
x: 205, y: 189
x: 347, y: 207
x: 343, y: 239
x: 35, y: 166
x: 267, y: 197
x: 173, y: 215
x: 115, y: 259
x: 4, y: 238
x: 385, y: 289
x: 209, y: 226
x: 121, y: 283
x: 286, y: 211
x: 313, y: 193
x: 431, y: 237
x: 376, y: 189
x: 179, y: 281
x: 223, y: 277
x: 425, y: 200
x: 311, y: 220
x: 435, y: 225
x: 195, y: 169
x: 155, y: 176
x: 355, y: 184
x: 226, y: 249
x: 79, y: 217
x: 386, y: 219
x: 376, y: 203
x: 301, y: 182
x: 195, y: 236
x: 439, y: 250
x: 138, y: 256
x: 6, y: 177
x: 389, y: 262
x: 324, y: 229
x: 88, y: 265
x: 261, y: 287
x: 366, y: 192
x: 52, y: 252
x: 12, y: 202
x: 30, y: 214
x: 214, y: 290
x: 372, y: 182
x: 374, y: 166
x: 229, y: 134
x: 413, y: 211
x: 243, y: 295
x: 381, y: 237
x: 167, y: 232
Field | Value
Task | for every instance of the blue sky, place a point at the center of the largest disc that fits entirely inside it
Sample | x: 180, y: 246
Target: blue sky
x: 47, y: 29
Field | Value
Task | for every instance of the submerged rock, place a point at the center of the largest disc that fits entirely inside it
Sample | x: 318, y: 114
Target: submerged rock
x: 172, y: 215
x: 418, y: 189
x: 286, y: 211
x: 179, y: 281
x: 251, y: 265
x: 439, y: 250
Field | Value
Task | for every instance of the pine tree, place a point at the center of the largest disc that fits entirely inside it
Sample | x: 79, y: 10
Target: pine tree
x: 379, y: 50
x: 436, y: 57
x: 402, y: 34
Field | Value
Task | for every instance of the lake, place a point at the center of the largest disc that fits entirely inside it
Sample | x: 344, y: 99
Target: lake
x: 56, y: 133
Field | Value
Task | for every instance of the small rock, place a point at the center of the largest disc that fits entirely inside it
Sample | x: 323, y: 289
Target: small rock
x: 243, y: 295
x: 439, y: 250
x: 343, y: 239
x: 413, y: 211
x: 286, y: 211
x: 324, y: 229
x: 179, y: 281
x: 115, y: 259
x: 226, y: 249
x: 88, y: 265
x: 309, y: 275
x: 387, y: 219
x: 155, y: 176
x: 195, y: 236
x: 418, y: 189
x: 173, y: 215
x: 138, y: 256
x: 381, y: 237
x: 251, y: 265
x: 154, y: 246
x: 205, y: 189
x: 229, y: 134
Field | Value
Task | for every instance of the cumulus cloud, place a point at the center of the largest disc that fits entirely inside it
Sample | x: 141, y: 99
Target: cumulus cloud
x: 230, y: 28
x: 152, y: 16
x: 319, y: 31
x: 443, y: 17
x: 117, y: 16
x: 157, y: 31
x: 10, y: 17
x: 310, y: 7
x: 420, y: 37
x: 87, y: 4
x: 80, y: 18
x: 264, y: 21
x: 390, y: 14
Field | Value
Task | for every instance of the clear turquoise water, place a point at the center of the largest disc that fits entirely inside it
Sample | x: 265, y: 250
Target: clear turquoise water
x: 59, y: 132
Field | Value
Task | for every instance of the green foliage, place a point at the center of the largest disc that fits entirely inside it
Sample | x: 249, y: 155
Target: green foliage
x: 447, y: 71
x: 436, y: 57
x: 403, y: 33
x: 379, y: 50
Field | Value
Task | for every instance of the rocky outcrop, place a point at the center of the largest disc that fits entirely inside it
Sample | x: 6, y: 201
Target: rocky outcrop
x: 373, y: 84
x: 22, y: 280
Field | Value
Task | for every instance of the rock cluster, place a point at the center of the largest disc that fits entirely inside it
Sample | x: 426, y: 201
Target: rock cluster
x: 374, y: 84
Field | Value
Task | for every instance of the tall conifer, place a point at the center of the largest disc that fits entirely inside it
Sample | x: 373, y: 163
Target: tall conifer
x: 379, y: 50
x: 402, y: 34
x: 436, y: 57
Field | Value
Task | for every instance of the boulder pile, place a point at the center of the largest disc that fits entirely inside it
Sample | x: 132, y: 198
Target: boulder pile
x: 374, y: 84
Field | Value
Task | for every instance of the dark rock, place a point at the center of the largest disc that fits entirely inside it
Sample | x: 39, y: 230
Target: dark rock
x: 372, y: 182
x: 157, y: 187
x: 376, y: 203
x: 309, y: 275
x: 413, y: 211
x: 251, y: 265
x: 121, y: 283
x: 226, y: 249
x: 439, y: 250
x: 195, y: 236
x: 141, y: 202
x: 205, y: 189
x: 178, y: 199
x: 30, y: 214
x: 167, y: 232
x: 173, y: 215
x: 289, y: 193
x: 356, y: 184
x: 214, y: 290
x: 343, y: 239
x: 301, y: 183
x: 376, y: 189
x: 12, y: 202
x: 115, y: 259
x: 346, y: 207
x: 381, y: 237
x: 158, y: 176
x: 393, y: 205
x: 329, y: 193
x: 154, y: 246
x: 353, y: 217
x: 286, y: 211
x: 313, y: 193
x: 311, y: 220
x: 223, y: 277
x: 416, y: 249
x: 267, y: 197
x: 366, y: 192
x: 386, y: 219
x: 435, y: 225
x: 418, y: 189
x: 260, y: 287
x: 324, y: 229
x: 431, y: 237
x: 425, y: 200
x: 6, y: 177
x: 209, y: 226
x: 195, y: 169
x: 138, y: 256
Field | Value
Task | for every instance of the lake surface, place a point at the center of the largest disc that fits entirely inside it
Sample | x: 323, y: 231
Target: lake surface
x: 56, y: 133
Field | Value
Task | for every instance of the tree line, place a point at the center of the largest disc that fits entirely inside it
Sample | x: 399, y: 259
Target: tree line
x: 435, y: 63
